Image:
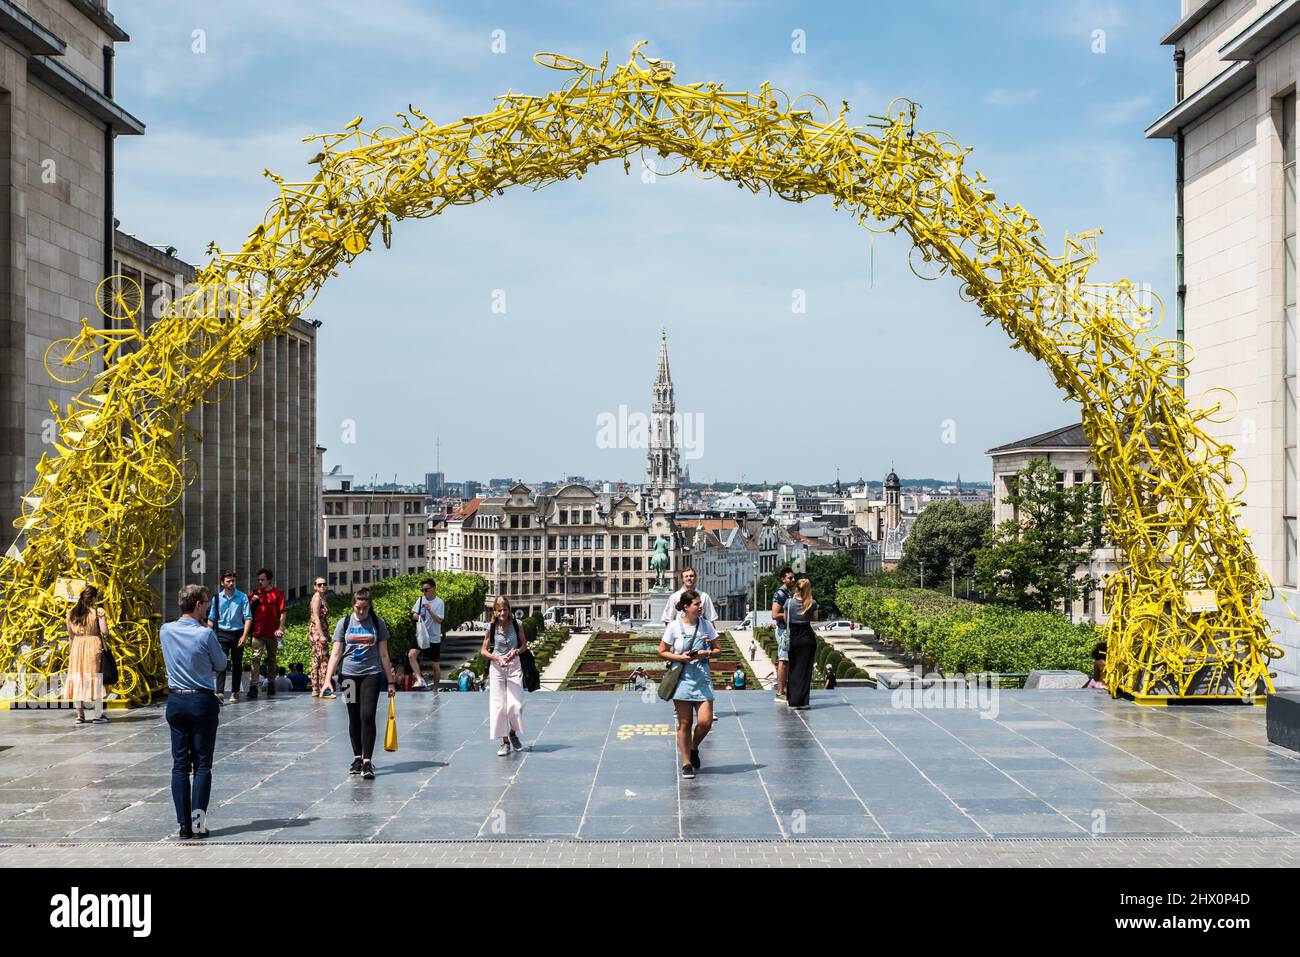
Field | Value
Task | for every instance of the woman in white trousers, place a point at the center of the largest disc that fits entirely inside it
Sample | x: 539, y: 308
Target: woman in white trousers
x: 501, y: 646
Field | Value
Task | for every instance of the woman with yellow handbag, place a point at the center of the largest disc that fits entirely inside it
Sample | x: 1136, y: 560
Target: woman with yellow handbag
x: 361, y: 643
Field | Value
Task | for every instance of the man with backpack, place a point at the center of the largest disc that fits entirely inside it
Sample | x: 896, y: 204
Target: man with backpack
x: 428, y: 614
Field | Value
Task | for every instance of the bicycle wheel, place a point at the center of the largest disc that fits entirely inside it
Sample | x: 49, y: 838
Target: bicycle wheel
x: 119, y: 298
x: 67, y: 361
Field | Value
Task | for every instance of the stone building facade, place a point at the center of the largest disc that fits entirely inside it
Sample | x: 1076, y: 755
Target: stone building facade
x: 371, y: 535
x: 1233, y: 130
x: 58, y: 120
x: 1067, y: 451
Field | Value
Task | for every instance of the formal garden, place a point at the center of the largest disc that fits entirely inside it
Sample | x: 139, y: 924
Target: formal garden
x: 609, y: 659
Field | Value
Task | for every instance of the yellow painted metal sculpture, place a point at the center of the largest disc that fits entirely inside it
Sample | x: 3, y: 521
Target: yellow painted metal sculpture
x: 102, y: 507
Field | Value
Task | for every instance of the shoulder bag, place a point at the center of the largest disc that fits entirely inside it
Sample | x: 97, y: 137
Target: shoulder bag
x: 673, y: 673
x: 107, y: 663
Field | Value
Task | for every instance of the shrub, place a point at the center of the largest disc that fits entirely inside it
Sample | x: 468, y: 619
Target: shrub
x: 392, y: 599
x: 843, y: 668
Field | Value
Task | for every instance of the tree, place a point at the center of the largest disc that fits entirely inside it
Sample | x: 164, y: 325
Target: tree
x: 945, y: 535
x: 825, y: 572
x: 1031, y: 561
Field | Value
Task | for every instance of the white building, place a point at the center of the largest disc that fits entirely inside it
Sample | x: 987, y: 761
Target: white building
x: 1233, y: 129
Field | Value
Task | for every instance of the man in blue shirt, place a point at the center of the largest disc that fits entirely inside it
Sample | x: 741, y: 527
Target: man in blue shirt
x: 192, y: 654
x: 232, y: 619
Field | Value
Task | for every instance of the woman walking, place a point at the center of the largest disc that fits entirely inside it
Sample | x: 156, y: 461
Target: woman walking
x: 800, y: 613
x: 502, y: 645
x: 692, y: 640
x: 87, y: 627
x: 192, y: 655
x: 319, y: 631
x: 361, y: 641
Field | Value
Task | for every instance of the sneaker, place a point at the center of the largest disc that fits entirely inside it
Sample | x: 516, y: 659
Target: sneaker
x: 184, y: 834
x: 327, y: 693
x: 421, y: 684
x: 234, y: 697
x: 252, y: 694
x: 368, y: 771
x: 504, y: 749
x: 695, y: 758
x: 315, y: 694
x: 199, y: 823
x: 357, y: 764
x: 514, y: 740
x: 780, y: 696
x: 102, y: 719
x: 688, y: 771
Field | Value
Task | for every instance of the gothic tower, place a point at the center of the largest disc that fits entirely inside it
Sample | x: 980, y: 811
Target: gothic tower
x: 893, y: 505
x: 663, y: 466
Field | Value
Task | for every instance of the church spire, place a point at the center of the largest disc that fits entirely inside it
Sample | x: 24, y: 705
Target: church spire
x: 663, y: 466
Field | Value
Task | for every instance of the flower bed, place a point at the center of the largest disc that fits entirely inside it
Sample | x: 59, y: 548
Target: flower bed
x: 610, y: 658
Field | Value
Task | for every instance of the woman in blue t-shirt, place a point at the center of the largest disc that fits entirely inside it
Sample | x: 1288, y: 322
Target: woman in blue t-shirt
x: 691, y: 639
x: 361, y: 642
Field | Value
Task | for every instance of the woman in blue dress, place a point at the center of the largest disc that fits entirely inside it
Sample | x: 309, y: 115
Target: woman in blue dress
x: 692, y: 640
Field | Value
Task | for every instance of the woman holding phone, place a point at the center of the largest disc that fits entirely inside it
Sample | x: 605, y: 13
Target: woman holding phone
x: 692, y: 640
x: 502, y: 646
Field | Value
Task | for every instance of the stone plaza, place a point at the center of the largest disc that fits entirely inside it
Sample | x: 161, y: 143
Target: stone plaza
x: 1043, y: 777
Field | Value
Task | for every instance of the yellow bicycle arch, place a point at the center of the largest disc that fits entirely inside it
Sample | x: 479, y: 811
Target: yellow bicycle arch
x: 102, y: 506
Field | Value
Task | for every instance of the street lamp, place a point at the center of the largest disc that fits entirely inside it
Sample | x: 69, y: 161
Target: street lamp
x: 754, y: 623
x: 922, y: 564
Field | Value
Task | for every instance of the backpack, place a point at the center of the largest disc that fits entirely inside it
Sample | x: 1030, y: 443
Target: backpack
x: 463, y: 683
x: 738, y: 679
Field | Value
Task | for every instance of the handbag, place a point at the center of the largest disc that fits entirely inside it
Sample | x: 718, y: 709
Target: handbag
x: 107, y: 663
x: 673, y: 676
x: 532, y: 677
x: 390, y: 734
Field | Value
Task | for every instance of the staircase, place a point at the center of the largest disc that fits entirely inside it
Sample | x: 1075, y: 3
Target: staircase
x: 867, y: 652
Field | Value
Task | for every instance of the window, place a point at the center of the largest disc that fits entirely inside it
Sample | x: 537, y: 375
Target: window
x: 503, y: 543
x: 600, y: 564
x: 550, y: 564
x: 627, y: 563
x: 627, y: 542
x: 514, y: 564
x: 333, y: 532
x: 564, y: 541
x: 525, y: 588
x: 356, y: 576
x: 537, y: 586
x: 1078, y: 478
x: 636, y: 564
x: 613, y: 541
x: 550, y: 586
x: 356, y: 555
x: 627, y: 518
x: 537, y: 543
x: 637, y: 546
x: 514, y: 543
x: 586, y: 516
x: 1060, y: 481
x: 537, y: 565
x: 550, y: 541
x: 356, y: 531
x: 525, y: 520
x: 419, y: 551
x: 600, y: 541
x: 564, y: 517
x: 410, y: 551
x: 365, y: 576
x: 334, y: 578
x: 586, y: 541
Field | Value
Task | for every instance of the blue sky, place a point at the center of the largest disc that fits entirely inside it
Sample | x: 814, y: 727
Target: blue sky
x: 410, y: 348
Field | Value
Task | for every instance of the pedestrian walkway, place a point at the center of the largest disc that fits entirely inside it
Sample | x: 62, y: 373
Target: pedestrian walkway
x: 863, y: 764
x: 1082, y: 852
x: 763, y: 666
x: 867, y: 652
x: 557, y: 669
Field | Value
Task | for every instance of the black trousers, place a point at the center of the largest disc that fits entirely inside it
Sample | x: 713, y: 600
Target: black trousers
x: 361, y: 692
x: 803, y: 649
x: 229, y: 642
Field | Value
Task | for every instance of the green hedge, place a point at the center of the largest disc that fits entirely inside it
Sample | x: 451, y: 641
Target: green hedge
x: 392, y: 599
x: 964, y: 637
x: 766, y: 638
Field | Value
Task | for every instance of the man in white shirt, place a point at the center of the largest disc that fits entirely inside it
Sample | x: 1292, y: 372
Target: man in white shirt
x: 428, y: 612
x: 671, y: 613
